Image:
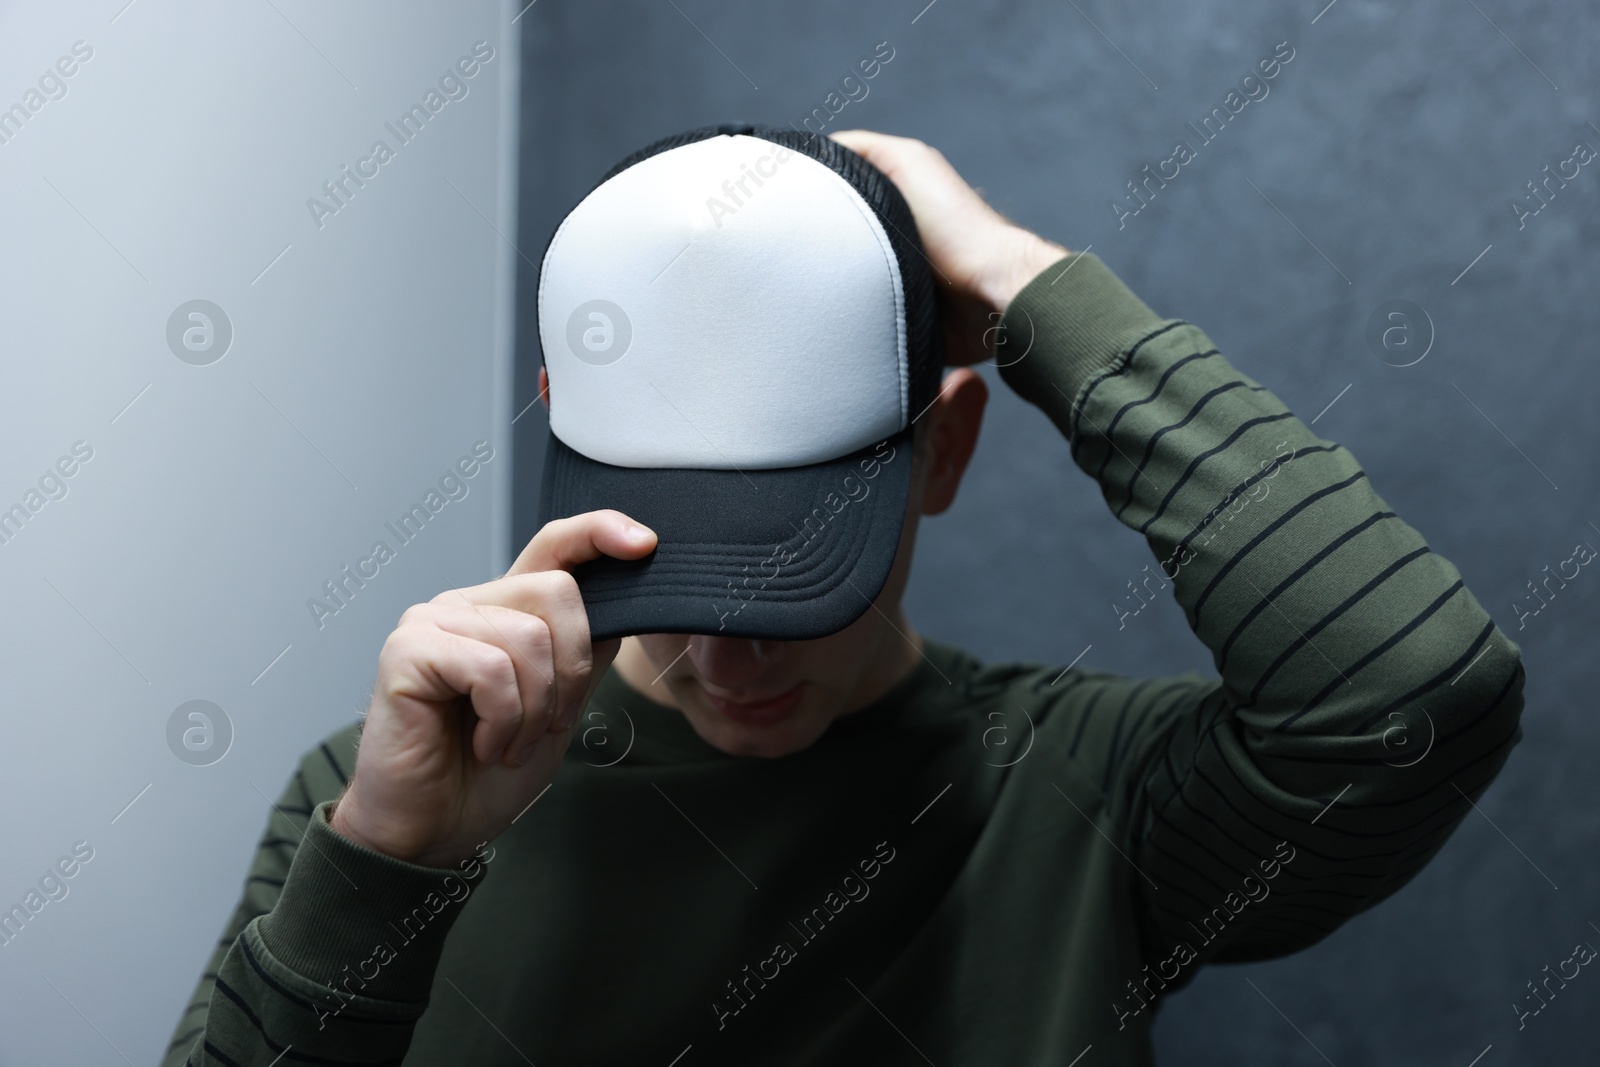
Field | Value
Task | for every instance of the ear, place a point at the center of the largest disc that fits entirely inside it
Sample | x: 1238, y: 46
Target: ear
x: 544, y: 387
x: 957, y: 415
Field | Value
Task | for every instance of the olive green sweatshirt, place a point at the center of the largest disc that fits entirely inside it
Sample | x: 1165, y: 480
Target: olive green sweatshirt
x: 992, y: 864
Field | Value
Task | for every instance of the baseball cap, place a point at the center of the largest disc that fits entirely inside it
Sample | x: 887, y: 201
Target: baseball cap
x: 739, y: 327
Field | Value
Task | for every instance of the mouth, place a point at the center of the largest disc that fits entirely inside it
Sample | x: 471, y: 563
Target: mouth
x: 765, y: 712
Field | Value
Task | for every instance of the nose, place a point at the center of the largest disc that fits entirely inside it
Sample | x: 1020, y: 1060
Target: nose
x: 732, y: 663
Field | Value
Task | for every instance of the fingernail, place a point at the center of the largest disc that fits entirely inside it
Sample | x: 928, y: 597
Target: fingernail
x: 638, y: 533
x: 524, y: 753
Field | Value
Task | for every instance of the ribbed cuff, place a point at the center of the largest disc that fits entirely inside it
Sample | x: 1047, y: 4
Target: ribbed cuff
x: 1074, y: 321
x: 347, y: 910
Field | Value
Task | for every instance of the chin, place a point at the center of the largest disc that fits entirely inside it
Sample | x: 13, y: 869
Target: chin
x: 756, y: 747
x: 765, y: 733
x: 796, y: 734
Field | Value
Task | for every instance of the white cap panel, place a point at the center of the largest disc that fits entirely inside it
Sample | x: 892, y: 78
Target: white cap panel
x: 691, y: 317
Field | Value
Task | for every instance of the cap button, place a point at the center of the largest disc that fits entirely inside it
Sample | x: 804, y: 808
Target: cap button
x: 730, y: 129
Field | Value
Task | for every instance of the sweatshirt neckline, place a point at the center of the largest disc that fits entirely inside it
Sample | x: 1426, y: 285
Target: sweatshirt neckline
x: 662, y: 734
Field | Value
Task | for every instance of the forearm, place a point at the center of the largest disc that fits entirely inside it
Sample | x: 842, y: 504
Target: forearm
x: 342, y: 964
x: 1339, y: 636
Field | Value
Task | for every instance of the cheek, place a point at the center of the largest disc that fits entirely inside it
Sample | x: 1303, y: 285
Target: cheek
x: 662, y: 649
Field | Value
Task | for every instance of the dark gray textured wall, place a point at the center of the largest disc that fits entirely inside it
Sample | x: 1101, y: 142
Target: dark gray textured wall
x: 1383, y: 161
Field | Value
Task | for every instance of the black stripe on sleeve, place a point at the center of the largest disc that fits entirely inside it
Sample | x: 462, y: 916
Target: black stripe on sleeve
x: 1194, y: 464
x: 1488, y: 710
x: 1188, y: 417
x: 1084, y: 717
x: 1116, y: 732
x: 300, y: 1001
x: 1232, y: 494
x: 1389, y: 642
x: 1118, y: 366
x: 190, y: 1036
x: 221, y: 1057
x: 1451, y: 670
x: 1111, y: 426
x: 1328, y: 618
x: 1298, y: 573
x: 287, y: 1051
x: 344, y: 779
x: 1266, y: 532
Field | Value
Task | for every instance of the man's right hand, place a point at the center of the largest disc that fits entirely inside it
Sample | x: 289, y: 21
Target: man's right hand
x: 476, y: 696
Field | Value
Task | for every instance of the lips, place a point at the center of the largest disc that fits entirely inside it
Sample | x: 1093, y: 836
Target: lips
x: 758, y: 712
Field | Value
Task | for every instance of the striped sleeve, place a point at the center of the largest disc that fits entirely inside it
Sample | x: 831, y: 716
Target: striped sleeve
x: 330, y: 955
x: 285, y: 825
x: 1365, y: 697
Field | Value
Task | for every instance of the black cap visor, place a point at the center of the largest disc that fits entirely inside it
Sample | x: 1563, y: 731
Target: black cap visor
x: 783, y: 554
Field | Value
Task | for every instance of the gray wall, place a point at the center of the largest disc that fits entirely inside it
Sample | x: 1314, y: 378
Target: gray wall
x: 1390, y: 149
x: 175, y: 163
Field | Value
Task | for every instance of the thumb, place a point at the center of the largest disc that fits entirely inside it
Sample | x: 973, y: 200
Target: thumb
x: 564, y: 543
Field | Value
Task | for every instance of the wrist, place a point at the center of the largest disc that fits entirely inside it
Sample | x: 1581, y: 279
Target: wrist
x: 346, y: 820
x: 1020, y: 256
x: 340, y: 821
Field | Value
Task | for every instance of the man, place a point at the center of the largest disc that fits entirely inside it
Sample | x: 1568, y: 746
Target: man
x: 790, y: 832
